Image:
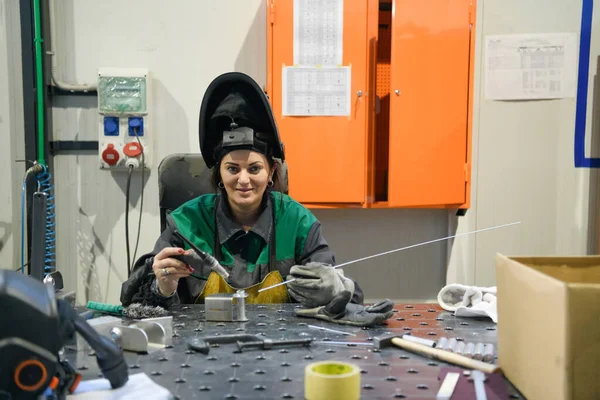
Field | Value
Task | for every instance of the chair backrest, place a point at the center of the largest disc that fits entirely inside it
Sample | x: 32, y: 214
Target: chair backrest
x: 183, y: 177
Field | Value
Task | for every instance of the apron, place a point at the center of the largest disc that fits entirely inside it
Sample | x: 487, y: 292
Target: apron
x: 216, y: 284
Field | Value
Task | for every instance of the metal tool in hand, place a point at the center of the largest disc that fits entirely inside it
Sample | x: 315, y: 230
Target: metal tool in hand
x: 400, y: 249
x: 204, y: 256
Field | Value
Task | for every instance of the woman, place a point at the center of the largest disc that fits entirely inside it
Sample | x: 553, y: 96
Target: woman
x: 258, y: 234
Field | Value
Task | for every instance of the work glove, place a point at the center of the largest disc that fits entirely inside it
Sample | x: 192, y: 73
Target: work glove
x: 341, y: 311
x: 316, y: 284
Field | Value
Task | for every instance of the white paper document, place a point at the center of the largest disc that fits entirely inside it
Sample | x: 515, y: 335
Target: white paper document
x: 536, y: 66
x: 318, y: 32
x: 314, y: 91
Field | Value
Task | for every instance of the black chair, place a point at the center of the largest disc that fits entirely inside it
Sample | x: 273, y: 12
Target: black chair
x: 183, y: 177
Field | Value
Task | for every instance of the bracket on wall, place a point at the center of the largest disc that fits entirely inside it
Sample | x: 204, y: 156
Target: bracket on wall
x: 62, y: 146
x: 56, y: 91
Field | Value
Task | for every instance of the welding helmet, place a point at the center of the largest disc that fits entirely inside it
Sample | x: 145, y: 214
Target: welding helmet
x: 235, y: 115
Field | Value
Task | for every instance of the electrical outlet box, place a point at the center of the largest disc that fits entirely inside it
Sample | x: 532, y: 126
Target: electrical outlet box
x: 124, y: 120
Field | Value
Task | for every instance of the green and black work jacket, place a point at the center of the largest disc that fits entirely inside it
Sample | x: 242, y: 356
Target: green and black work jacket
x: 207, y: 221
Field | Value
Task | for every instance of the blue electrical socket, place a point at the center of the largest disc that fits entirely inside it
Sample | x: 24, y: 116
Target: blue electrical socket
x: 136, y: 124
x: 111, y: 126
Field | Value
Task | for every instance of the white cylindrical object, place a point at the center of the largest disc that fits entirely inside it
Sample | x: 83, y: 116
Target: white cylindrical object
x: 469, y: 348
x: 488, y: 353
x: 478, y: 352
x: 441, y: 344
x: 451, y: 345
x: 331, y: 380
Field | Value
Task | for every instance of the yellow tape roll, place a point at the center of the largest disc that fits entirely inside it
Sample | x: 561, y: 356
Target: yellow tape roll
x: 331, y: 380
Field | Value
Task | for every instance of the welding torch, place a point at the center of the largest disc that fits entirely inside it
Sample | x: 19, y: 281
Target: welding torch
x: 206, y: 258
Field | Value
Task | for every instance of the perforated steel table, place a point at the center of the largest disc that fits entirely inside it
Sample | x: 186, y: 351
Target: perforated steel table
x: 226, y: 373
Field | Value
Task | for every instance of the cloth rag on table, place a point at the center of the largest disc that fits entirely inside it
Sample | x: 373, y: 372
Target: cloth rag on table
x: 139, y: 386
x: 469, y: 301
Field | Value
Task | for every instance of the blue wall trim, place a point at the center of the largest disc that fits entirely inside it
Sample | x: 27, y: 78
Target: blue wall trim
x: 582, y: 88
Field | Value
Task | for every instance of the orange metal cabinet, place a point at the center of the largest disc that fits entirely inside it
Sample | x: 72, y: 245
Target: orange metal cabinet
x: 326, y: 155
x: 429, y: 100
x: 407, y: 140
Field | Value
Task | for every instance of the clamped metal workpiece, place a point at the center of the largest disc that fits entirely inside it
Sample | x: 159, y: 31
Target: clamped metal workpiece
x: 140, y: 336
x: 230, y: 307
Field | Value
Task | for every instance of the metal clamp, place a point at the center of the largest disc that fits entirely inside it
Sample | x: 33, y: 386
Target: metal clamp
x: 229, y: 307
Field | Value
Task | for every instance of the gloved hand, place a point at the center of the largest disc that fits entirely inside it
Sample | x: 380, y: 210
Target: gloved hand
x: 341, y: 311
x: 316, y: 284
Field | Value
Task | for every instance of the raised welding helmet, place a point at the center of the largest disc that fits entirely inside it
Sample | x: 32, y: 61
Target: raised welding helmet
x: 236, y: 114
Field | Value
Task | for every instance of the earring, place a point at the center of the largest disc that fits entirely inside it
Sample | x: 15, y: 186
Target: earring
x: 270, y: 183
x: 220, y: 185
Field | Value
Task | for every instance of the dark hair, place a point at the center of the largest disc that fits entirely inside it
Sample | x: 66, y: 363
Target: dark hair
x: 275, y: 166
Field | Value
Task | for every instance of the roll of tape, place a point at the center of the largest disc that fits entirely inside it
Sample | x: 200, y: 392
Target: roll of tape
x: 331, y: 380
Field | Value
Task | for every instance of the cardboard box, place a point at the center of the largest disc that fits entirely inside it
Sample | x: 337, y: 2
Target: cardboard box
x: 549, y: 325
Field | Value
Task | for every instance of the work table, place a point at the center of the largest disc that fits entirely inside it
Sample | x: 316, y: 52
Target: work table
x: 279, y: 373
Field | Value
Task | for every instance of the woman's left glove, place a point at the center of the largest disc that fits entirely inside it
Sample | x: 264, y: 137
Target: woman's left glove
x: 316, y: 284
x: 341, y: 311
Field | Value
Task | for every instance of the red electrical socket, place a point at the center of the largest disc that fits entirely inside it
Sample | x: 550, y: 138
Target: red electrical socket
x: 110, y: 155
x: 132, y: 149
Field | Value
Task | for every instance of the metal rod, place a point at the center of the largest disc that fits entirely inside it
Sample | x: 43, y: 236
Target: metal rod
x: 400, y: 249
x: 331, y: 330
x: 334, y: 343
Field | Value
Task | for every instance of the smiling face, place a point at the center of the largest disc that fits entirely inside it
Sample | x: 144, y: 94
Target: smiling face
x: 245, y: 175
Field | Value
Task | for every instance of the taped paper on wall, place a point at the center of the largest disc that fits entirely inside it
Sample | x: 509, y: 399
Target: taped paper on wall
x: 312, y: 91
x: 318, y: 32
x: 536, y: 66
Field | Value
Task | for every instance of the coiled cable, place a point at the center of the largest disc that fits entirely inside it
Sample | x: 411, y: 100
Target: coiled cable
x: 45, y: 185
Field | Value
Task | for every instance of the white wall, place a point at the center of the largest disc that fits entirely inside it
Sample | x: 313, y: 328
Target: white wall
x: 522, y: 151
x: 11, y: 135
x: 523, y: 164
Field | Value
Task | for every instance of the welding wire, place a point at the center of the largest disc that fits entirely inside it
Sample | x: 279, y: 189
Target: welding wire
x: 469, y: 349
x: 331, y: 330
x: 441, y: 344
x: 451, y: 345
x: 334, y: 343
x: 460, y: 347
x: 400, y: 249
x: 488, y: 353
x: 478, y: 353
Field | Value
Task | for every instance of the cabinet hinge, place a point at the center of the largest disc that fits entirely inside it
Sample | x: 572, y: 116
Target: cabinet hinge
x: 472, y: 14
x: 272, y: 11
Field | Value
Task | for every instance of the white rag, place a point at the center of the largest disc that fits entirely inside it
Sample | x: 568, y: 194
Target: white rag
x: 139, y: 386
x: 469, y: 301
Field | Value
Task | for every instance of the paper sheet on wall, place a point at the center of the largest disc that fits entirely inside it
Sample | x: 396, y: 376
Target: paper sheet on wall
x: 318, y: 32
x: 314, y: 91
x: 536, y: 66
